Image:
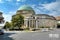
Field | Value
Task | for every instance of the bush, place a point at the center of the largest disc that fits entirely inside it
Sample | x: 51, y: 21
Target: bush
x: 42, y: 27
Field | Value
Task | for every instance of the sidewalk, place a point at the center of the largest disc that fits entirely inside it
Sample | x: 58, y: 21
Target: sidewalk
x: 18, y: 31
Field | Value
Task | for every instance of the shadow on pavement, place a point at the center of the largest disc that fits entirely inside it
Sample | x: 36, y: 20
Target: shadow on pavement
x: 6, y: 36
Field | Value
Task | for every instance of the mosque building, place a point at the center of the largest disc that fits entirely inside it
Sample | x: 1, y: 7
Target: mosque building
x: 34, y: 20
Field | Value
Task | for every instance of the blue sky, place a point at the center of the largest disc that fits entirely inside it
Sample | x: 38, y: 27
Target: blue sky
x: 9, y: 7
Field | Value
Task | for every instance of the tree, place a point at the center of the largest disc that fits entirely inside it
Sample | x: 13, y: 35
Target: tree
x: 7, y: 25
x: 17, y: 20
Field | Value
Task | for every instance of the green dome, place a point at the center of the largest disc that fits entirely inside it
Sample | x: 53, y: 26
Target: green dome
x: 25, y: 7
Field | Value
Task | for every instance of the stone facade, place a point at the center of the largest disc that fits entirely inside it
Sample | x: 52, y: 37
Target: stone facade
x: 58, y: 19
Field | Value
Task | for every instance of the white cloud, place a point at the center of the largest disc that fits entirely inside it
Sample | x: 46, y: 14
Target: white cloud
x: 1, y: 1
x: 12, y: 12
x: 54, y: 8
x: 7, y: 17
x: 18, y: 0
x: 39, y: 9
x: 51, y: 8
x: 54, y: 14
x: 36, y: 10
x: 1, y: 11
x: 51, y: 5
x: 21, y: 0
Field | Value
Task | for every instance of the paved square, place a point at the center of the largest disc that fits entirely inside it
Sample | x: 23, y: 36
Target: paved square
x: 50, y: 35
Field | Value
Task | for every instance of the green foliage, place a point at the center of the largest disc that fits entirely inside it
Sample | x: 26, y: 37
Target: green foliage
x: 27, y: 28
x: 17, y: 20
x: 42, y: 27
x: 7, y: 25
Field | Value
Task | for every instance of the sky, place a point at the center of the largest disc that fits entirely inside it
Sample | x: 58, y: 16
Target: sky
x: 9, y: 7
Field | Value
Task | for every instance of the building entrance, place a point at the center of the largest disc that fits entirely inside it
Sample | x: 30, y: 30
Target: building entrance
x: 58, y: 26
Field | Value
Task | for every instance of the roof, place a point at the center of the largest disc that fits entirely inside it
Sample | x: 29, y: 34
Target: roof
x: 49, y: 17
x: 25, y: 7
x: 41, y: 15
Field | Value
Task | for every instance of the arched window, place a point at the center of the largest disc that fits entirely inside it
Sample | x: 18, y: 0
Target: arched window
x: 33, y: 17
